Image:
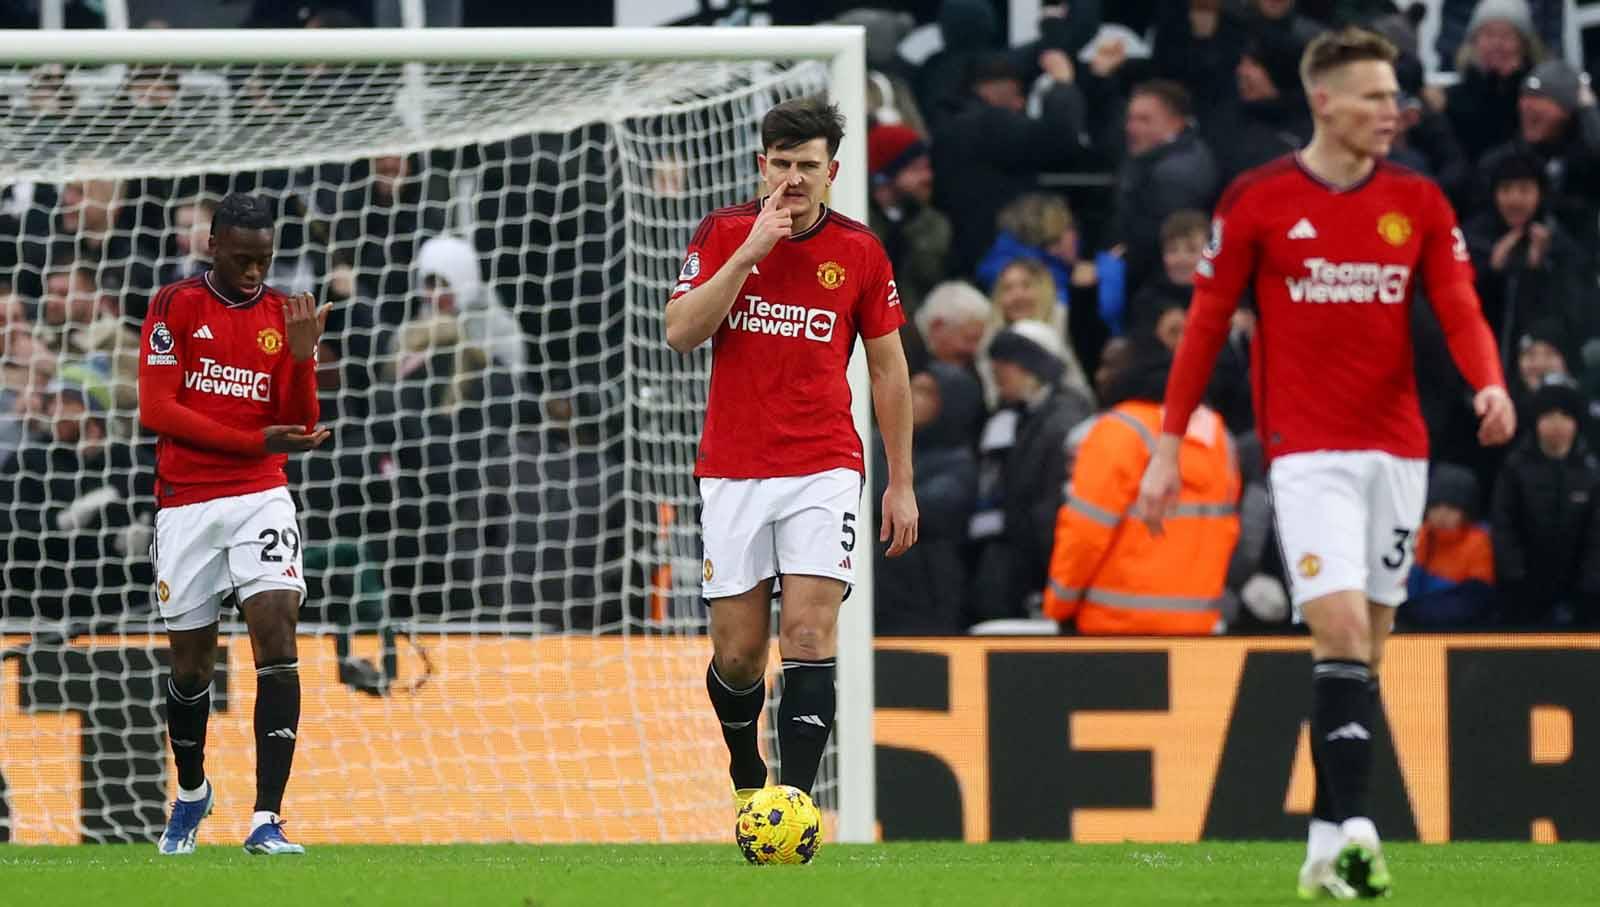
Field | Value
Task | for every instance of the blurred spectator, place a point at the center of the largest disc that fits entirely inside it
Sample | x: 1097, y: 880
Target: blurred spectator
x: 443, y: 411
x: 1528, y: 267
x: 924, y: 591
x: 72, y: 300
x: 1194, y: 42
x: 1546, y: 518
x: 1183, y: 239
x: 1040, y: 226
x: 890, y: 99
x: 447, y: 269
x: 1022, y: 470
x: 375, y: 213
x: 951, y: 325
x: 1108, y: 573
x: 1425, y: 141
x: 1452, y: 581
x: 75, y: 513
x: 914, y: 233
x: 1559, y: 125
x: 187, y: 250
x: 992, y: 151
x: 969, y: 30
x: 569, y: 515
x: 25, y: 368
x: 1168, y: 168
x: 1270, y: 118
x: 1500, y: 49
x: 1026, y: 292
x: 1538, y: 23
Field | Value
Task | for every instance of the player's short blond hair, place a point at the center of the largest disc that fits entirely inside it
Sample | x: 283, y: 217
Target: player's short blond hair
x: 1332, y: 50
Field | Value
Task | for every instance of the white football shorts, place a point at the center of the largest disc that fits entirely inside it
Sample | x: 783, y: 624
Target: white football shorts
x: 235, y: 546
x: 1347, y: 521
x: 753, y: 529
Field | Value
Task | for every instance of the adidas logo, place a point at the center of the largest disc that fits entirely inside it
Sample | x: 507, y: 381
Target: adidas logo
x: 204, y: 333
x: 282, y: 733
x: 845, y: 564
x: 1303, y: 230
x: 810, y: 719
x: 184, y: 743
x: 291, y: 573
x: 737, y: 725
x: 1351, y: 731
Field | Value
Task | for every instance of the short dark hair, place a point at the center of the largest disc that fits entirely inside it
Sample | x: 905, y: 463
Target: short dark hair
x: 1516, y: 167
x: 1331, y: 50
x: 1183, y: 223
x: 1172, y: 95
x: 995, y: 66
x: 242, y: 210
x: 793, y: 123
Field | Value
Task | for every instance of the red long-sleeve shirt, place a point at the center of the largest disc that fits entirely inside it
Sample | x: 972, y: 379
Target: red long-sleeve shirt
x: 1334, y: 274
x: 214, y: 372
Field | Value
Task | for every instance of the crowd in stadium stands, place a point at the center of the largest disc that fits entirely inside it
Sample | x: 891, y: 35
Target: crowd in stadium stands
x: 473, y: 473
x: 1043, y: 322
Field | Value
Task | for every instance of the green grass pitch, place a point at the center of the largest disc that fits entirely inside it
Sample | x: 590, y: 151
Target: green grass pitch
x: 1029, y: 874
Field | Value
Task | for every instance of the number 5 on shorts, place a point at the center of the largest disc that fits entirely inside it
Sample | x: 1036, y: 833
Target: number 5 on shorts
x: 848, y: 542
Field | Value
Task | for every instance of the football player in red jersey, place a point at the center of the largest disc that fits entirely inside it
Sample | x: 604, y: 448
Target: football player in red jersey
x: 228, y: 382
x: 782, y: 286
x: 1331, y: 240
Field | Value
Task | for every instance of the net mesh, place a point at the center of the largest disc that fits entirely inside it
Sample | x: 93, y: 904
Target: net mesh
x: 507, y: 640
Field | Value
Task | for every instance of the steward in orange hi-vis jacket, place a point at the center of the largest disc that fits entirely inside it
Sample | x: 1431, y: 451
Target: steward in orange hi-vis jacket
x: 1107, y: 572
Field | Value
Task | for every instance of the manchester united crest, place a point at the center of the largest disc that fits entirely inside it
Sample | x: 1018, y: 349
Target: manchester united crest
x: 709, y: 572
x: 831, y: 275
x: 1395, y: 228
x: 1310, y: 565
x: 163, y: 591
x: 270, y: 340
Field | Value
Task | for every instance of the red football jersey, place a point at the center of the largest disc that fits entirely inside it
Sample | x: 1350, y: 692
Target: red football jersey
x: 1334, y: 273
x: 780, y: 402
x: 214, y: 373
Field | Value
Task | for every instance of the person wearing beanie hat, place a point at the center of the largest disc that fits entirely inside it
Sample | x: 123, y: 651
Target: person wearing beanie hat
x: 1529, y: 268
x: 1022, y: 455
x: 1497, y: 49
x: 914, y: 233
x: 1559, y: 124
x: 1452, y: 581
x: 1546, y: 517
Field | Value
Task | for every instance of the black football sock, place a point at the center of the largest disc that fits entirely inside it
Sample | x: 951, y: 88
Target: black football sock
x: 738, y: 711
x: 1341, y: 735
x: 277, y: 722
x: 187, y: 711
x: 805, y: 718
x: 1321, y: 803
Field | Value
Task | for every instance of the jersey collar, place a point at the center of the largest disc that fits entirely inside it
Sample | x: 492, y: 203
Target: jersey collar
x: 808, y: 232
x: 228, y: 301
x: 1332, y: 187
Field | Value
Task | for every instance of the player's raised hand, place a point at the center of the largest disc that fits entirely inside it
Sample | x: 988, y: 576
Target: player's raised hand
x: 1497, y: 417
x: 304, y: 323
x: 292, y: 438
x: 772, y: 224
x: 899, y: 520
x: 1158, y: 491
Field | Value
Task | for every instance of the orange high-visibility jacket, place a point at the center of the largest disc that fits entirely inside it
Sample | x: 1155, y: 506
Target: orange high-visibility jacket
x: 1107, y: 570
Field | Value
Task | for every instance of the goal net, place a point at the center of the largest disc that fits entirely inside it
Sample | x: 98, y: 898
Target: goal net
x: 504, y: 638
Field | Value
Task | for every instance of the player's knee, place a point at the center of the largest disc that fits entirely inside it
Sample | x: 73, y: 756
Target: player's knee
x: 807, y: 642
x: 193, y: 676
x: 1345, y: 636
x: 740, y: 666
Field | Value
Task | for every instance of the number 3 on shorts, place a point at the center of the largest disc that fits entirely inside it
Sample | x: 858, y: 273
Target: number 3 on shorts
x: 1397, y: 555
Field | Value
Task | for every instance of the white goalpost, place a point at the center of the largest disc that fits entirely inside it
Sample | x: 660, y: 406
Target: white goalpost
x: 505, y: 639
